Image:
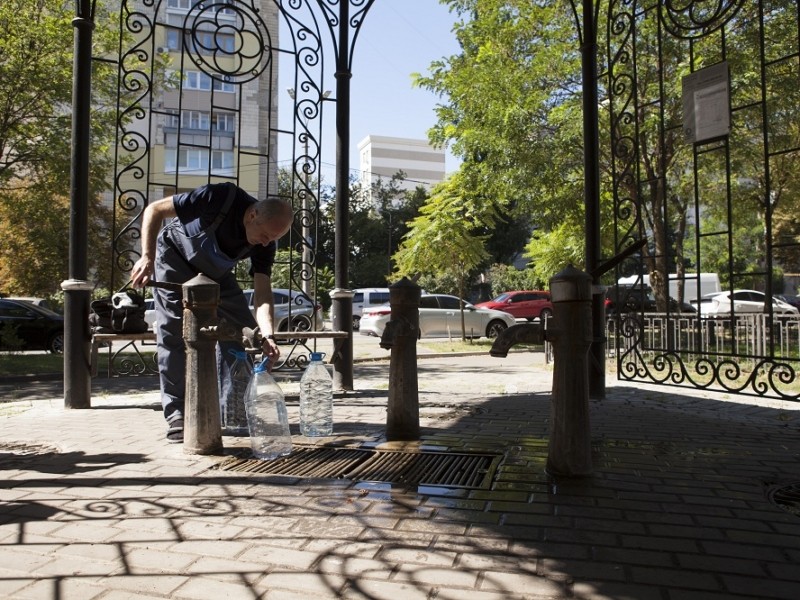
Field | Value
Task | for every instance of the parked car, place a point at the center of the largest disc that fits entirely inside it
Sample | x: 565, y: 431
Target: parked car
x: 35, y: 327
x: 741, y: 302
x: 440, y: 316
x: 364, y: 298
x: 789, y: 299
x: 32, y: 300
x: 292, y: 307
x: 638, y: 298
x: 524, y: 304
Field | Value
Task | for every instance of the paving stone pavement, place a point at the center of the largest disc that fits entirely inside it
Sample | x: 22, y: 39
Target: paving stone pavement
x: 680, y: 505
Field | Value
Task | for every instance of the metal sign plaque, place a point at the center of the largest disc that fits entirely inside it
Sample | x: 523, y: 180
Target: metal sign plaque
x: 706, y: 104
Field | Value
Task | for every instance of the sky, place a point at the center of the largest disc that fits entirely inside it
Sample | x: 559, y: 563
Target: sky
x: 397, y: 38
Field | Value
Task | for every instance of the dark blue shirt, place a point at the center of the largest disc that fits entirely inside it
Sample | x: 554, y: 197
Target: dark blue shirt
x: 197, y: 210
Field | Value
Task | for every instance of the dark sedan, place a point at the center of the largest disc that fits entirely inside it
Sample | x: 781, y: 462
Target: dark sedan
x: 25, y: 326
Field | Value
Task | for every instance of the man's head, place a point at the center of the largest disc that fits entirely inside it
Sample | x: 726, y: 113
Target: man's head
x: 268, y: 220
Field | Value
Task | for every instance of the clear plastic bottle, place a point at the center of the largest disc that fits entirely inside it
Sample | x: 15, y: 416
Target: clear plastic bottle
x: 266, y: 416
x: 316, y: 399
x: 233, y: 414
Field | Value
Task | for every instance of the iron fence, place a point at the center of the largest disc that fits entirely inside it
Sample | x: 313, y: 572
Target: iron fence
x: 746, y: 354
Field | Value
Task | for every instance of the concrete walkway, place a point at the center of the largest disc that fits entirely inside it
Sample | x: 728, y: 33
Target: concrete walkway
x: 688, y: 499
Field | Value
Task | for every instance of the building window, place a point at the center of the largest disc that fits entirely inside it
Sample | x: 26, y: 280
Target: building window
x: 171, y: 119
x: 173, y: 40
x: 223, y: 121
x: 196, y: 80
x: 196, y: 161
x: 188, y: 160
x: 222, y: 162
x: 208, y: 42
x: 189, y: 4
x: 195, y: 119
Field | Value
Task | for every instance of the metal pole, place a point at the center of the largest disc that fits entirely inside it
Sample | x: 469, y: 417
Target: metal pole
x: 77, y: 291
x: 306, y: 254
x: 591, y: 166
x: 343, y: 302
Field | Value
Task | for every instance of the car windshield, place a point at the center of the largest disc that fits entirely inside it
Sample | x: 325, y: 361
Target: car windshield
x: 502, y: 298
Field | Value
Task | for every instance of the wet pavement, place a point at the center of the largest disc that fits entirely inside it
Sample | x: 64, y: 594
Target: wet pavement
x: 693, y: 495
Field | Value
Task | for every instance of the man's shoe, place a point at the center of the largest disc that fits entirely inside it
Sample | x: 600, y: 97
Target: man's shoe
x: 175, y: 432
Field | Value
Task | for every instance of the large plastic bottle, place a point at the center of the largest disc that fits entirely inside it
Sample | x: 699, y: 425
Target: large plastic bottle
x: 316, y: 399
x: 267, y: 419
x: 233, y: 414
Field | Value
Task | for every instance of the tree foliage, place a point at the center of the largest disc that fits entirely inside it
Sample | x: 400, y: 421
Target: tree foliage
x: 34, y: 251
x: 442, y: 239
x: 512, y: 110
x: 36, y: 74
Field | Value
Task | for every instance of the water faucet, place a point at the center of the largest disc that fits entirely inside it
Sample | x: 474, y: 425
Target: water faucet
x: 522, y: 333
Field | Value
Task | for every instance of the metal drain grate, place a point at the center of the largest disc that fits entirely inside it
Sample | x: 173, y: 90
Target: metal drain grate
x: 786, y: 497
x: 408, y: 468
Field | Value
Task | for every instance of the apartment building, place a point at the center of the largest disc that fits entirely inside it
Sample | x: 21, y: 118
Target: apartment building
x: 383, y: 157
x: 214, y: 114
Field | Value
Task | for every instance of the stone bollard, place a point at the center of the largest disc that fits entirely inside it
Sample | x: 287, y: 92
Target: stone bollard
x: 570, y: 332
x: 400, y: 335
x: 202, y: 433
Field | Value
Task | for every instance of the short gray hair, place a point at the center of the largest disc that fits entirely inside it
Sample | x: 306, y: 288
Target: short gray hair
x: 273, y: 208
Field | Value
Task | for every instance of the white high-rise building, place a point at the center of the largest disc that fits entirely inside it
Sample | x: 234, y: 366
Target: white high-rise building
x: 383, y: 157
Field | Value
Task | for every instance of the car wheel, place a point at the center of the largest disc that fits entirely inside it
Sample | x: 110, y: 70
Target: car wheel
x: 55, y: 345
x: 545, y: 314
x: 356, y: 322
x: 494, y: 329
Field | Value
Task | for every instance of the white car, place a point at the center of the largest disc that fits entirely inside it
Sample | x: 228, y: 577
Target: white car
x: 303, y: 312
x: 742, y: 301
x: 440, y: 316
x: 294, y: 307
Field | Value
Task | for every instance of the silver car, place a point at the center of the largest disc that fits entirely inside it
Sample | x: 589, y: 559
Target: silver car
x: 741, y: 302
x: 292, y: 307
x: 440, y: 316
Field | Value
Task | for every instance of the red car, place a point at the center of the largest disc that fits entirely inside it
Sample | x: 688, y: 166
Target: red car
x: 526, y: 304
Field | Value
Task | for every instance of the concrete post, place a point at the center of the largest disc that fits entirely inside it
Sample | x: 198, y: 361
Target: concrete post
x: 400, y: 335
x: 342, y: 311
x: 570, y: 447
x: 202, y: 429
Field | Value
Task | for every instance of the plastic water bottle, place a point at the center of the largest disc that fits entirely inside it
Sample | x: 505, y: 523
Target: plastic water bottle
x: 267, y: 419
x: 233, y: 414
x: 316, y: 399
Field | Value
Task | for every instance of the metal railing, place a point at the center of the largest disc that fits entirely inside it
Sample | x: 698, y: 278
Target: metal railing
x: 746, y: 354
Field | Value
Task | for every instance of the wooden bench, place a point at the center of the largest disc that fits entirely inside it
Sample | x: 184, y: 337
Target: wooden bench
x: 296, y: 357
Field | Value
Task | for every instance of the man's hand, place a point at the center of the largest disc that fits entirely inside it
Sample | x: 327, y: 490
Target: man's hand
x: 271, y: 351
x: 142, y: 272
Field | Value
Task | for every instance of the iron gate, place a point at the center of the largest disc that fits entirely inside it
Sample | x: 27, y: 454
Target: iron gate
x: 199, y: 102
x: 703, y: 131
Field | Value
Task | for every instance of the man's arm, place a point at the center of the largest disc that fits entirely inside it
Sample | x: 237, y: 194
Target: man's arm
x: 154, y: 215
x: 265, y: 314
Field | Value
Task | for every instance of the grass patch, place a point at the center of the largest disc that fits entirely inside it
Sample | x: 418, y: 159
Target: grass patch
x: 456, y: 345
x: 22, y: 363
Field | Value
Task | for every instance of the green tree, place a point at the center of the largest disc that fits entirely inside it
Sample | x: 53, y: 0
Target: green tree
x: 34, y: 251
x: 36, y: 73
x: 505, y: 113
x: 441, y: 240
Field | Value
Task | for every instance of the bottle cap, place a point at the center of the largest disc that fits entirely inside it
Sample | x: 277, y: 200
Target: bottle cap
x: 317, y: 356
x: 262, y: 366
